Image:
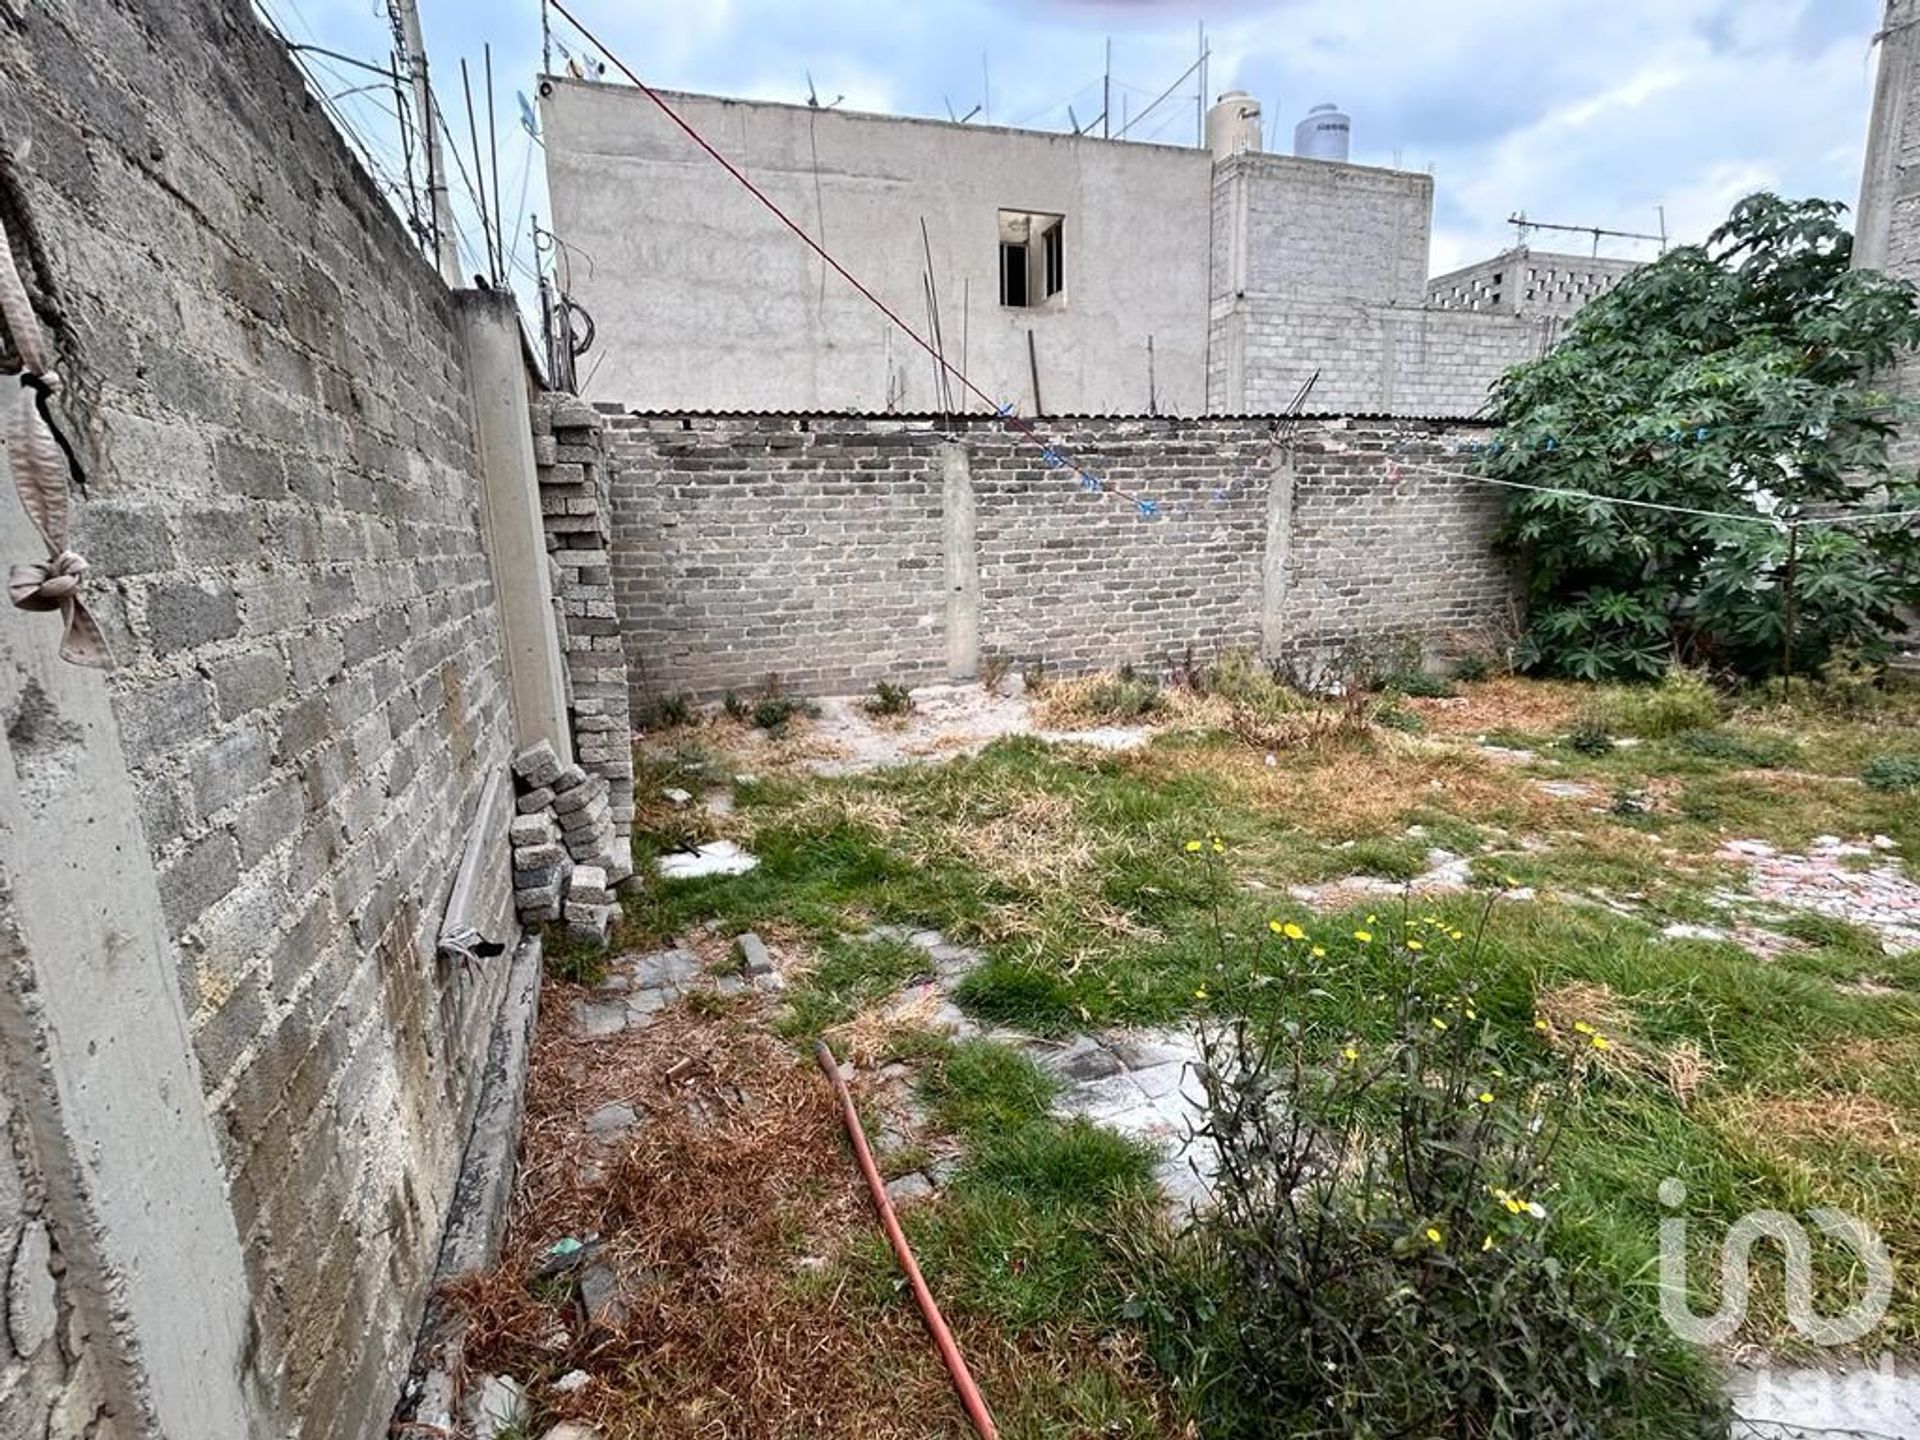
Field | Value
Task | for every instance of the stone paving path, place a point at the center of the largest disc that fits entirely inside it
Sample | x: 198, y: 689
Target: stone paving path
x: 1873, y: 892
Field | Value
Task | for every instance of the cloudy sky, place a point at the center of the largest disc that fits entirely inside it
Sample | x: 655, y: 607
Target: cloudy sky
x: 1590, y: 112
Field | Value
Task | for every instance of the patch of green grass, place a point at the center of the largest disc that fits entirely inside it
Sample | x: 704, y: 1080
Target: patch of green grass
x: 852, y: 973
x: 1763, y: 752
x: 577, y: 962
x: 1389, y: 859
x: 977, y: 1090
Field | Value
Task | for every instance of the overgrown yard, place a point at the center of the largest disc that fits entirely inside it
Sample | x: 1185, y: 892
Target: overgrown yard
x: 1691, y: 926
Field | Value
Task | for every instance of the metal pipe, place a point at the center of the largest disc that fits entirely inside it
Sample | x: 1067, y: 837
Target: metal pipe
x: 970, y: 1398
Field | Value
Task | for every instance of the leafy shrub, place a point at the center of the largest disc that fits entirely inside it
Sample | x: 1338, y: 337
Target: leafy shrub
x: 1892, y: 772
x: 1122, y: 697
x: 993, y: 671
x: 1379, y: 1257
x: 1683, y: 700
x: 1473, y: 667
x: 670, y: 712
x: 1762, y: 752
x: 1725, y: 378
x: 1420, y: 685
x: 1590, y: 735
x: 1244, y: 682
x: 1398, y: 717
x: 889, y: 699
x: 1035, y: 677
x: 737, y: 706
x: 773, y: 713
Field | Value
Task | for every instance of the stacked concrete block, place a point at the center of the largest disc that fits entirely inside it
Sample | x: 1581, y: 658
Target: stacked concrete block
x: 567, y: 854
x: 575, y: 476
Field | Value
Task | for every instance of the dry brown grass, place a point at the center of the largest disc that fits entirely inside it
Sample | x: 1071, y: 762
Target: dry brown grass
x: 1352, y: 789
x: 1541, y: 707
x: 877, y: 1031
x: 706, y: 1210
x: 1792, y: 1126
x: 1576, y: 1011
x: 1029, y: 839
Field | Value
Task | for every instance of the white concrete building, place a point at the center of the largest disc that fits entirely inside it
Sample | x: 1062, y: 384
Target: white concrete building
x: 1072, y: 274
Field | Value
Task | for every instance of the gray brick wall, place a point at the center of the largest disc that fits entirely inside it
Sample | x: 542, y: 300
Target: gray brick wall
x: 283, y: 527
x: 809, y: 548
x: 812, y: 546
x: 1085, y: 581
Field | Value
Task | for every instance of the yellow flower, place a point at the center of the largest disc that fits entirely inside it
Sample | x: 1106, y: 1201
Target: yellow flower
x: 1472, y: 1014
x: 1600, y: 1042
x: 1193, y: 847
x: 1486, y: 1097
x: 1350, y: 1053
x: 1541, y: 1025
x: 1455, y: 935
x: 1373, y: 919
x: 1580, y: 1027
x: 1434, y: 1235
x: 1274, y: 925
x: 1319, y: 952
x: 1363, y: 936
x: 1438, y: 1023
x: 1486, y: 1244
x: 1293, y: 931
x: 1415, y: 945
x: 1218, y: 847
x: 1201, y: 993
x: 1510, y: 882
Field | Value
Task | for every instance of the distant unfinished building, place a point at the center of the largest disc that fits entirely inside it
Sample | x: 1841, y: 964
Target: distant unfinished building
x: 1532, y: 283
x: 1065, y: 274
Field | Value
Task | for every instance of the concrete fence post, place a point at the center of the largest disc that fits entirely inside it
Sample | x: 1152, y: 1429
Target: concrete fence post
x: 958, y: 523
x: 1275, y: 554
x: 516, y: 538
x: 94, y: 1035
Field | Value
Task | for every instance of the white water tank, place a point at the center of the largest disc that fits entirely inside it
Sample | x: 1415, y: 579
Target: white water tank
x: 1324, y: 134
x: 1233, y: 125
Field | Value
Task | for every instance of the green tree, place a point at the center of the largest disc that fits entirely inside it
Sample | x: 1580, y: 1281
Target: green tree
x: 1733, y: 378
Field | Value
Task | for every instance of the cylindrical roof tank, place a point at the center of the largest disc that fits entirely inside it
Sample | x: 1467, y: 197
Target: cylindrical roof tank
x: 1324, y: 134
x: 1233, y: 125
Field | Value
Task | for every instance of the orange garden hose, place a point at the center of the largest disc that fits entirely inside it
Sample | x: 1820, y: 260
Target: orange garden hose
x: 970, y: 1398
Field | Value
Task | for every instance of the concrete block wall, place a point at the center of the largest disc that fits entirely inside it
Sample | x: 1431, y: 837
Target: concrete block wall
x: 1085, y: 581
x: 839, y: 551
x: 805, y: 547
x: 1413, y: 360
x: 576, y: 468
x: 1380, y: 544
x: 286, y: 547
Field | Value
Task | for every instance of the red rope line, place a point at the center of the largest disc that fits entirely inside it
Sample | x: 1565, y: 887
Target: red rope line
x: 1013, y: 421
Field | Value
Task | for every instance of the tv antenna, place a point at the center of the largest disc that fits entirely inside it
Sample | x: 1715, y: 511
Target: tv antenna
x: 813, y: 96
x: 1522, y: 225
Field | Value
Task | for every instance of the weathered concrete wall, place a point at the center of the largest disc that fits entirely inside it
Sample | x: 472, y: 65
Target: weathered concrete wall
x: 1414, y: 360
x: 701, y: 298
x: 1886, y: 232
x: 838, y: 551
x: 1322, y: 267
x: 1523, y: 281
x: 284, y: 529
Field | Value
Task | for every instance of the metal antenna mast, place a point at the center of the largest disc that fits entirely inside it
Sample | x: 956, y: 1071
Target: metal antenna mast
x: 1522, y: 225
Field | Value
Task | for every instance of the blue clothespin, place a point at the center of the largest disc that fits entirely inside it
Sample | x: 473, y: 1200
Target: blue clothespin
x: 1552, y: 444
x: 1004, y: 410
x: 1089, y: 482
x: 1701, y: 433
x: 1219, y: 497
x: 1149, y: 508
x: 1050, y: 457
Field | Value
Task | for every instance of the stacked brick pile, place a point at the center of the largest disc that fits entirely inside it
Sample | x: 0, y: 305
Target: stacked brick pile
x: 575, y: 475
x: 567, y: 855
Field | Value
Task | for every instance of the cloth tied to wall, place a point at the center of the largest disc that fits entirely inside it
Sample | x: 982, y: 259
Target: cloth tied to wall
x: 41, y: 465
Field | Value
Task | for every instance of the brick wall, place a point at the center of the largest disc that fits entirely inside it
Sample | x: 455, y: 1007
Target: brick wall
x: 1380, y: 544
x: 748, y: 546
x: 286, y: 550
x: 1085, y: 582
x: 818, y: 547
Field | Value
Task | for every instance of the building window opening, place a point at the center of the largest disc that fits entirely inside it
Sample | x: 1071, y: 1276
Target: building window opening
x: 1033, y: 258
x: 1013, y: 273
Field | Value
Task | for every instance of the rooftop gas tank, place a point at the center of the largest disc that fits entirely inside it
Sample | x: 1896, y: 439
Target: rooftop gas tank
x: 1233, y: 125
x: 1324, y: 134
